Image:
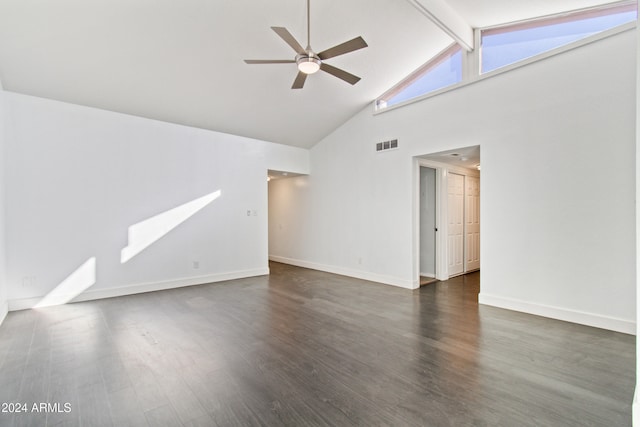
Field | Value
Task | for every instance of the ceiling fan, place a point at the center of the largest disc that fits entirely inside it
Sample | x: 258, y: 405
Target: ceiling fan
x: 309, y: 62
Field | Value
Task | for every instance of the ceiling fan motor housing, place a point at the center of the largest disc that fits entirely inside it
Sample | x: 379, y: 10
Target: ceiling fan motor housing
x: 308, y: 62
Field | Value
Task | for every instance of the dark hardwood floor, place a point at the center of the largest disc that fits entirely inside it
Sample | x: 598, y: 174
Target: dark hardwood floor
x: 306, y: 348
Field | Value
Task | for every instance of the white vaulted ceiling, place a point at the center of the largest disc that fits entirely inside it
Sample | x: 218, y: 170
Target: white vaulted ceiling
x: 182, y: 61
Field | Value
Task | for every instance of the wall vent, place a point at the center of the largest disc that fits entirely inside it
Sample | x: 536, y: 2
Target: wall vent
x: 387, y: 145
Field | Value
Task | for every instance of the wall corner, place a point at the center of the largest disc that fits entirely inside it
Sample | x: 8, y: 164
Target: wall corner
x: 4, y: 310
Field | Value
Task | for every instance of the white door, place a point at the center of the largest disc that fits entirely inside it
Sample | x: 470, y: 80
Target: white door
x: 472, y: 219
x: 455, y: 234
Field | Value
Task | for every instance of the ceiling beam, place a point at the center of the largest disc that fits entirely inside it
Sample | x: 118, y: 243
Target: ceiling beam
x: 447, y: 19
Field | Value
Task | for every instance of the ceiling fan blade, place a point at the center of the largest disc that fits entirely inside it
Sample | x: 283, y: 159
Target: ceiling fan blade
x: 298, y: 83
x: 269, y: 61
x: 288, y: 38
x: 341, y: 74
x: 341, y: 49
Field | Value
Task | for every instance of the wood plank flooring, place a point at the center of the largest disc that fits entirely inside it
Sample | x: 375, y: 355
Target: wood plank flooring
x: 306, y: 348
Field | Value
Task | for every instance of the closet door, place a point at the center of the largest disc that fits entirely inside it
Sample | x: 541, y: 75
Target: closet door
x: 472, y: 226
x: 455, y: 234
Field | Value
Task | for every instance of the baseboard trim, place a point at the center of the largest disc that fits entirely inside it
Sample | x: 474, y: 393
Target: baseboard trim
x: 559, y: 313
x: 27, y: 303
x: 372, y: 277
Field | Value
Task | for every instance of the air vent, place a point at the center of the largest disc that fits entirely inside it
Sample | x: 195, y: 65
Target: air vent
x: 387, y: 145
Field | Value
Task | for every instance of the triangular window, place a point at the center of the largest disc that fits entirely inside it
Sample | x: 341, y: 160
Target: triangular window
x: 442, y: 71
x: 505, y: 45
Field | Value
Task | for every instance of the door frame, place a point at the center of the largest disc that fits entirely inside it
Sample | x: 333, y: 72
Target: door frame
x: 442, y: 173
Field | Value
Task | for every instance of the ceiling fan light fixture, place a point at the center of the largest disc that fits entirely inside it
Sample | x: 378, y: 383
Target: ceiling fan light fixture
x: 308, y: 64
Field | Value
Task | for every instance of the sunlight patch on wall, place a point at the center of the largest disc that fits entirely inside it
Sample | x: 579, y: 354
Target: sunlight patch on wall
x: 76, y: 283
x: 147, y: 232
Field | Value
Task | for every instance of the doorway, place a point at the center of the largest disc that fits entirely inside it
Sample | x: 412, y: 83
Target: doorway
x: 281, y: 229
x: 427, y: 222
x: 448, y: 214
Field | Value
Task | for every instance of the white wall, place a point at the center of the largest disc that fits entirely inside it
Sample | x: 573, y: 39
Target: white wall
x: 557, y: 141
x: 3, y: 284
x: 78, y: 178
